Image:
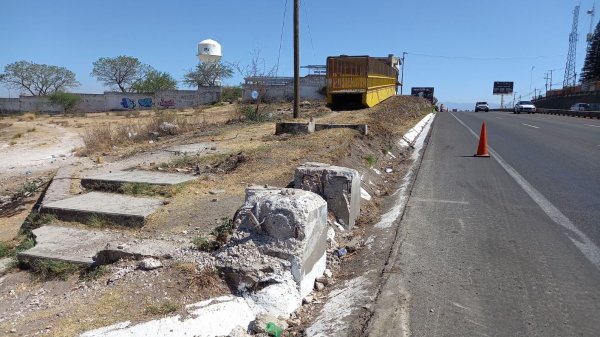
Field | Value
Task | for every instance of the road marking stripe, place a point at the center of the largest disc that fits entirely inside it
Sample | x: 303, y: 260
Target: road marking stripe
x: 531, y: 126
x: 582, y: 242
x: 596, y: 126
x: 499, y: 117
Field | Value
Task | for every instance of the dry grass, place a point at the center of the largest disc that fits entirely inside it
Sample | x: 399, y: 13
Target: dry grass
x: 28, y: 117
x: 106, y: 136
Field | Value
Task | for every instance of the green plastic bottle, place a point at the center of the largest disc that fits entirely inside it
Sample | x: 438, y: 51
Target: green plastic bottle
x: 274, y: 330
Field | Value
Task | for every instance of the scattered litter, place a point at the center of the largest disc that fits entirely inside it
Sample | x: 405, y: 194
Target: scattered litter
x: 388, y: 170
x: 341, y: 252
x: 376, y: 170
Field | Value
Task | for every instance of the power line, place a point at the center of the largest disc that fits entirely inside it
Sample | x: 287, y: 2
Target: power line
x: 308, y: 24
x: 281, y: 37
x: 486, y: 58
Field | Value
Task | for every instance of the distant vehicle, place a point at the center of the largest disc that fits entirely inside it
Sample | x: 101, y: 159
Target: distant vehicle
x: 580, y: 107
x: 482, y: 106
x: 524, y: 106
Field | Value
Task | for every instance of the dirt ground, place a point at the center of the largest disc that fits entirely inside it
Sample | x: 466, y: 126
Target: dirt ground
x: 29, y: 306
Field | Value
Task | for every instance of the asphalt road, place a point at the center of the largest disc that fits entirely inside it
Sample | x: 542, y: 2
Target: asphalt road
x: 501, y: 246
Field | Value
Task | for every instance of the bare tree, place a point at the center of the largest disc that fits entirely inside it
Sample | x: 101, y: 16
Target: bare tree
x: 121, y: 72
x: 38, y: 79
x: 256, y: 75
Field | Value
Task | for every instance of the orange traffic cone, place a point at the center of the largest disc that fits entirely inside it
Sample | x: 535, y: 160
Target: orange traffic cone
x: 482, y: 149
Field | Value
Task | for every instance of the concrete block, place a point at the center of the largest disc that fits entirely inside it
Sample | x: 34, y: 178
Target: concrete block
x: 117, y: 178
x: 289, y: 225
x: 339, y: 186
x: 117, y: 208
x: 195, y: 149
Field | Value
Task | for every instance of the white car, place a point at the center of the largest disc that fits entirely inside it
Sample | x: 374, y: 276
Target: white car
x: 524, y: 106
x: 580, y: 107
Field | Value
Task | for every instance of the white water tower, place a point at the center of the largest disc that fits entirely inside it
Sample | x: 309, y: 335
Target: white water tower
x: 209, y: 51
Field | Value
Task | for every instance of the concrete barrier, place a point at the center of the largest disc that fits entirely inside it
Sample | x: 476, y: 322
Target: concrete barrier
x: 339, y: 186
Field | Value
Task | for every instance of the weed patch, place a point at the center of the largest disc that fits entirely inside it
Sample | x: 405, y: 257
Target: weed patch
x: 98, y: 221
x: 46, y: 270
x: 163, y: 308
x: 204, y: 244
x: 6, y: 249
x: 92, y: 273
x: 35, y: 220
x: 371, y: 160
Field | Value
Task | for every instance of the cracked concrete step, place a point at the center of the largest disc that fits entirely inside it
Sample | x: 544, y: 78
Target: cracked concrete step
x: 116, y: 208
x: 116, y: 178
x: 87, y: 247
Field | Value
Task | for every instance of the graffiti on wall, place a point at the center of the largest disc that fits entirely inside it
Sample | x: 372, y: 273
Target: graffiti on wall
x: 127, y: 103
x: 166, y: 103
x: 145, y: 102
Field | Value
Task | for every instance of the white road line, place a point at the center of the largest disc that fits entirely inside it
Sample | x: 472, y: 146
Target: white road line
x: 596, y: 126
x: 531, y: 126
x: 499, y: 117
x: 581, y: 241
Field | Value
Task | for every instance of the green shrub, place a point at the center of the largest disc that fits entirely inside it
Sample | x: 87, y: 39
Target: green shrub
x: 371, y: 160
x: 46, y: 270
x: 202, y: 243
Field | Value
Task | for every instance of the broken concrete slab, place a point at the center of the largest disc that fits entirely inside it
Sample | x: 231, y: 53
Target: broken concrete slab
x: 194, y: 149
x: 285, y: 230
x: 117, y: 178
x: 215, y: 317
x: 84, y: 246
x: 116, y: 208
x: 339, y: 186
x: 66, y: 244
x: 60, y: 186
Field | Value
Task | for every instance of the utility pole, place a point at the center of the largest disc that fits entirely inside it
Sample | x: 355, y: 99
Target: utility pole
x: 296, y: 58
x: 402, y: 76
x: 546, y: 77
x: 551, y: 70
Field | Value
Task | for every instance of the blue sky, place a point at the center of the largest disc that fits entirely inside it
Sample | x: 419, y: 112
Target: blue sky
x: 458, y: 47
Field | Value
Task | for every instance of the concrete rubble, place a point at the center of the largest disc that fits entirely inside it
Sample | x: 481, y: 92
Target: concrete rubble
x: 278, y: 248
x: 339, y: 186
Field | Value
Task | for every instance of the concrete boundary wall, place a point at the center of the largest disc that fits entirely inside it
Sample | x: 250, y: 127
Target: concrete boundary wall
x: 111, y: 101
x: 311, y: 88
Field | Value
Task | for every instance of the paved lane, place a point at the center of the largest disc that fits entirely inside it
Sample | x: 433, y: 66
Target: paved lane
x: 489, y: 247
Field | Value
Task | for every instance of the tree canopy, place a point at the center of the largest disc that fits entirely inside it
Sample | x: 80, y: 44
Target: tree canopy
x: 37, y: 79
x: 67, y: 101
x: 591, y: 67
x: 207, y: 74
x: 155, y: 81
x: 120, y: 72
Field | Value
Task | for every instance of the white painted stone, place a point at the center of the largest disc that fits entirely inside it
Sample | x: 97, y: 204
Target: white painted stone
x: 215, y: 317
x: 364, y: 194
x: 278, y: 299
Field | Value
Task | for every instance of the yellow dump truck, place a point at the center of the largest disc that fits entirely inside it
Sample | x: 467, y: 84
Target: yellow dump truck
x: 360, y: 80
